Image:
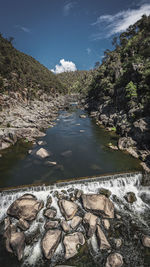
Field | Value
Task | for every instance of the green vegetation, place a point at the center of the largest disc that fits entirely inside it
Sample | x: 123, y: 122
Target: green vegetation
x: 123, y: 78
x: 77, y: 81
x: 22, y: 73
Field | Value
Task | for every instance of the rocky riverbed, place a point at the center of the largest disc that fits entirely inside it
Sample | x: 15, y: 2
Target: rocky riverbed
x: 87, y: 223
x: 27, y: 120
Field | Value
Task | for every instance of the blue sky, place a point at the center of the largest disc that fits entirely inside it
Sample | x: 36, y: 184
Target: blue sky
x: 77, y: 32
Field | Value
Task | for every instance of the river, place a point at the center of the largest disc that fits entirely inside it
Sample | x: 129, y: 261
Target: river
x: 77, y: 145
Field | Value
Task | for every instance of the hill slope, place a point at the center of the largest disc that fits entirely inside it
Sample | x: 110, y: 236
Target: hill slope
x: 22, y: 73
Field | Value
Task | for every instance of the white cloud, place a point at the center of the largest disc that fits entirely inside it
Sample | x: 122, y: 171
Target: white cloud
x: 120, y: 21
x: 88, y: 50
x: 64, y: 66
x: 22, y: 28
x: 67, y: 7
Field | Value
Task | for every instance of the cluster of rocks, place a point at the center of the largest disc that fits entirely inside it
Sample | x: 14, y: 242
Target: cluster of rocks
x: 135, y: 137
x: 27, y: 119
x: 82, y: 217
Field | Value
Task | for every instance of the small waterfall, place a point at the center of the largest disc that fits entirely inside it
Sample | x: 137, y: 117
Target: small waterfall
x: 118, y: 184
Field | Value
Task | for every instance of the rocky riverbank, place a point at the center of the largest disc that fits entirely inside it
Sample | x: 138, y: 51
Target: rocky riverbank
x: 28, y: 119
x: 72, y: 222
x: 134, y: 134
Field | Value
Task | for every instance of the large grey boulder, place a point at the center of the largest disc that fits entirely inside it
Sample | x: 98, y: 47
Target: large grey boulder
x: 50, y: 213
x: 98, y: 204
x: 25, y: 207
x: 51, y: 225
x: 114, y: 260
x: 102, y: 240
x: 50, y: 242
x: 90, y: 222
x: 75, y: 222
x: 14, y: 241
x: 42, y: 153
x: 71, y: 242
x: 68, y: 208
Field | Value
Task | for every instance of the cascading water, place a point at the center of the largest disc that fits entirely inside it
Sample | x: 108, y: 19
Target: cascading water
x: 119, y: 185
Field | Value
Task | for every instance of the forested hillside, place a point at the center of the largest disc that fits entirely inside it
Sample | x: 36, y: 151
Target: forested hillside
x: 123, y: 79
x: 22, y: 73
x: 77, y: 81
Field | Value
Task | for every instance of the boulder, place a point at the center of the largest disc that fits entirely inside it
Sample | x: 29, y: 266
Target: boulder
x: 23, y: 225
x: 90, y: 222
x: 65, y: 226
x: 83, y: 116
x: 98, y: 204
x: 14, y: 241
x: 49, y: 202
x: 50, y: 213
x: 71, y: 242
x: 114, y: 260
x: 75, y: 222
x: 51, y: 225
x: 130, y: 197
x: 25, y: 207
x: 106, y: 224
x: 102, y: 240
x: 42, y: 153
x: 7, y: 222
x: 125, y: 142
x: 105, y: 192
x: 118, y: 242
x: 68, y: 208
x: 146, y: 241
x: 50, y: 242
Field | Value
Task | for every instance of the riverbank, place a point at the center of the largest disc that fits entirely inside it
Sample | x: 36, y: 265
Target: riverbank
x: 27, y: 120
x: 134, y: 134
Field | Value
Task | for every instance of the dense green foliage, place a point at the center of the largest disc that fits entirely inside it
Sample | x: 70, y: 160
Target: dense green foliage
x: 20, y: 72
x: 123, y: 78
x: 77, y: 81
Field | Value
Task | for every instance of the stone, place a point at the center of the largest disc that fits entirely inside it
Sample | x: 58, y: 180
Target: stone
x: 106, y: 224
x: 14, y: 241
x: 83, y: 116
x: 51, y: 163
x: 25, y: 207
x: 78, y: 193
x: 42, y: 153
x: 75, y: 222
x: 114, y: 260
x: 103, y: 242
x: 23, y: 225
x: 90, y: 222
x: 71, y: 242
x: 105, y: 192
x: 51, y: 225
x: 50, y: 213
x: 65, y: 226
x: 132, y: 152
x: 7, y: 222
x: 118, y: 242
x: 68, y: 208
x: 50, y: 242
x: 130, y: 197
x: 125, y: 142
x: 146, y: 241
x: 98, y: 204
x: 17, y: 243
x: 49, y: 202
x: 41, y: 143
